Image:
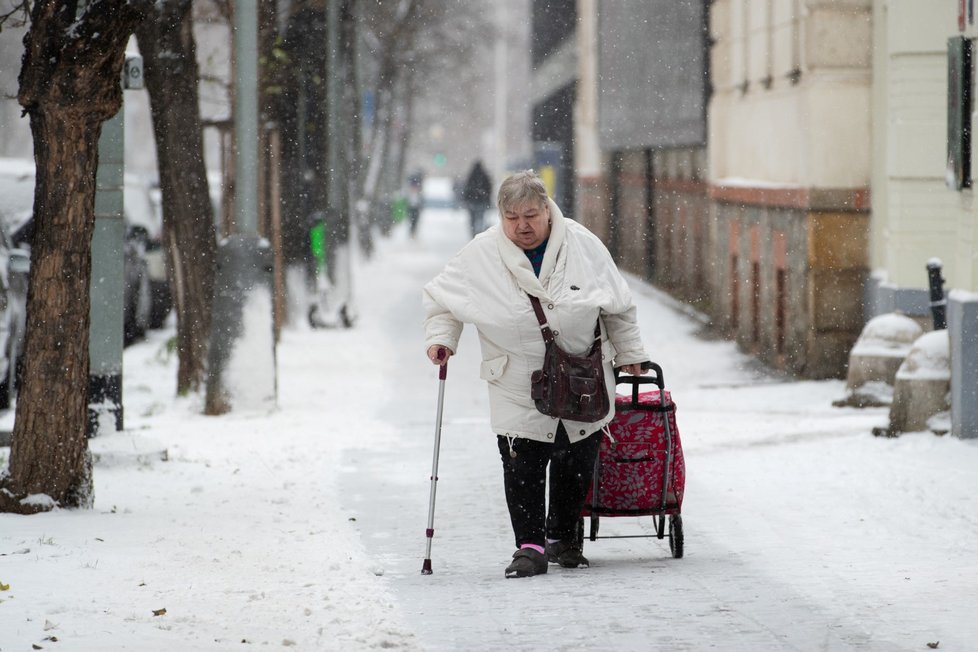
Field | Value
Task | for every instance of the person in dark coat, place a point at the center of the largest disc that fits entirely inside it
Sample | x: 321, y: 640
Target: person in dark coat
x: 476, y: 194
x: 414, y: 201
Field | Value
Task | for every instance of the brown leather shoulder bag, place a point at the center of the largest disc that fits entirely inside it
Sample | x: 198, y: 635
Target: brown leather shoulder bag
x: 569, y: 386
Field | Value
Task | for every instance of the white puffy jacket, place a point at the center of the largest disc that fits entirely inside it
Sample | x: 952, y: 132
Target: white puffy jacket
x: 486, y: 284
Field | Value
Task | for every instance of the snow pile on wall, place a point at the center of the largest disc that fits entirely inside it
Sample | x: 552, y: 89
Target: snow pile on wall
x: 873, y: 362
x: 923, y: 384
x: 890, y: 335
x: 929, y: 358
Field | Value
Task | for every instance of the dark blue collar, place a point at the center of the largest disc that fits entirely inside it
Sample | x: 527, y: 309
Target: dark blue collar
x: 536, y: 256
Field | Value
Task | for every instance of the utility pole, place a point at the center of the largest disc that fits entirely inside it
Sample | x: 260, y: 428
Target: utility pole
x: 337, y: 189
x: 241, y: 363
x: 107, y: 286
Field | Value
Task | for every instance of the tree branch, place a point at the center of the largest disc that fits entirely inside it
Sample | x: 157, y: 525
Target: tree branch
x: 24, y: 7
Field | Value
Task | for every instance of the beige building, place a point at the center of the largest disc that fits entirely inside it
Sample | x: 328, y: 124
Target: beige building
x: 747, y: 195
x: 916, y: 216
x: 764, y: 220
x: 789, y: 171
x: 922, y: 210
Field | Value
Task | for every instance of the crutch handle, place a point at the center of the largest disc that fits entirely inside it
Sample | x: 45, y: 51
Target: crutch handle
x: 443, y: 369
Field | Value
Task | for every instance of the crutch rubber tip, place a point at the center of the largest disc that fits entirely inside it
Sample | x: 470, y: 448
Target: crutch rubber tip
x: 426, y: 567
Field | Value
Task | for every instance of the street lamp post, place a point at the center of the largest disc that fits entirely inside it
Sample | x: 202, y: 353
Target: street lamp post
x: 241, y: 358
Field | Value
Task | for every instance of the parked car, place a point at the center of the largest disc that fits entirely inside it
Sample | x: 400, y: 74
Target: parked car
x: 16, y: 202
x: 16, y: 263
x: 143, y: 256
x: 144, y: 219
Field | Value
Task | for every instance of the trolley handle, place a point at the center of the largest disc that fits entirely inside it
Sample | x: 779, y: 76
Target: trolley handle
x: 655, y: 378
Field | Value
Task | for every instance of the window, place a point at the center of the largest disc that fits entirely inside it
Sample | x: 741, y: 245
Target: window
x: 959, y: 84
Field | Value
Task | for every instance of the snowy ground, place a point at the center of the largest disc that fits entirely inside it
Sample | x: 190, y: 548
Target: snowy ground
x: 304, y: 528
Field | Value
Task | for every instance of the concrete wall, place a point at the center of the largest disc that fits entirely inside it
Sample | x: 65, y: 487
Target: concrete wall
x: 790, y: 282
x: 594, y: 205
x: 651, y: 208
x: 641, y: 193
x: 651, y: 59
x: 789, y: 171
x: 683, y: 257
x: 963, y: 332
x: 635, y: 240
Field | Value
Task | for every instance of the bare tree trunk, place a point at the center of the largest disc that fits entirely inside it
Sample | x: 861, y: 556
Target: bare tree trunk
x: 303, y: 124
x: 404, y: 135
x: 354, y: 94
x: 69, y: 85
x: 397, y: 36
x: 188, y: 218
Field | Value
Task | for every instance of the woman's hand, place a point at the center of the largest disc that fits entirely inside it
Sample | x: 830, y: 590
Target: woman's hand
x: 439, y: 354
x: 633, y: 369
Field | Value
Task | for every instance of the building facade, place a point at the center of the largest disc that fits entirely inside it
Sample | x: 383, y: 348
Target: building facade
x: 789, y: 168
x: 553, y: 92
x: 640, y: 114
x: 923, y: 198
x: 722, y: 151
x: 763, y: 219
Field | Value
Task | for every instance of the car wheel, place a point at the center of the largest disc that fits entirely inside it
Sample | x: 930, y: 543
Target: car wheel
x: 161, y: 304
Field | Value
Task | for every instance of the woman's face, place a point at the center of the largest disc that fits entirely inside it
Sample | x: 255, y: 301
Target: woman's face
x: 527, y: 224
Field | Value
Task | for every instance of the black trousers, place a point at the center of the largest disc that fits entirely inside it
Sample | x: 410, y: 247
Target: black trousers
x: 477, y: 217
x: 414, y: 216
x: 525, y: 480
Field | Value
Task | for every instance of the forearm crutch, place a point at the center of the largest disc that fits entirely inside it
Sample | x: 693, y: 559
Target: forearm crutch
x: 430, y: 532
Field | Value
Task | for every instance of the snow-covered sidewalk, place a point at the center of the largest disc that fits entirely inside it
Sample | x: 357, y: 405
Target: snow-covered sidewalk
x: 305, y: 527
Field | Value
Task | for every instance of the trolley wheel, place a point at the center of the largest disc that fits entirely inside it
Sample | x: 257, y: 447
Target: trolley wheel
x: 676, y: 535
x: 580, y: 532
x: 594, y: 526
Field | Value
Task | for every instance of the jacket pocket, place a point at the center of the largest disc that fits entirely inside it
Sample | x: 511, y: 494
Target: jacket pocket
x: 491, y: 370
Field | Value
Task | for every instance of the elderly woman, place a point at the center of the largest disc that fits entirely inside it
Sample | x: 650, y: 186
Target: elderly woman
x: 536, y: 251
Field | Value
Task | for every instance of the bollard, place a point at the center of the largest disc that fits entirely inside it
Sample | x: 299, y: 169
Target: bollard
x: 938, y: 304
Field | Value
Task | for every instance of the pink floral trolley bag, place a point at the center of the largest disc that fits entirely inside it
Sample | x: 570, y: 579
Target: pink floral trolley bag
x: 640, y: 469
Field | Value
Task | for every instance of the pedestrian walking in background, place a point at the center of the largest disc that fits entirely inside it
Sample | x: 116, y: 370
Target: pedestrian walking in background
x: 476, y: 195
x: 414, y: 201
x: 536, y: 251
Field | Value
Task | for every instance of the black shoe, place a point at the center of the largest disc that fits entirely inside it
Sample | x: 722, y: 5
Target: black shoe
x: 566, y: 553
x: 526, y: 563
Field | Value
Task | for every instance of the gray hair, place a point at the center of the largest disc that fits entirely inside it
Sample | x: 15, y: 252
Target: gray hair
x: 521, y: 188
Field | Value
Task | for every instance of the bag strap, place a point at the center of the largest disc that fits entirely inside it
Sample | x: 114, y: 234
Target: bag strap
x: 548, y: 335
